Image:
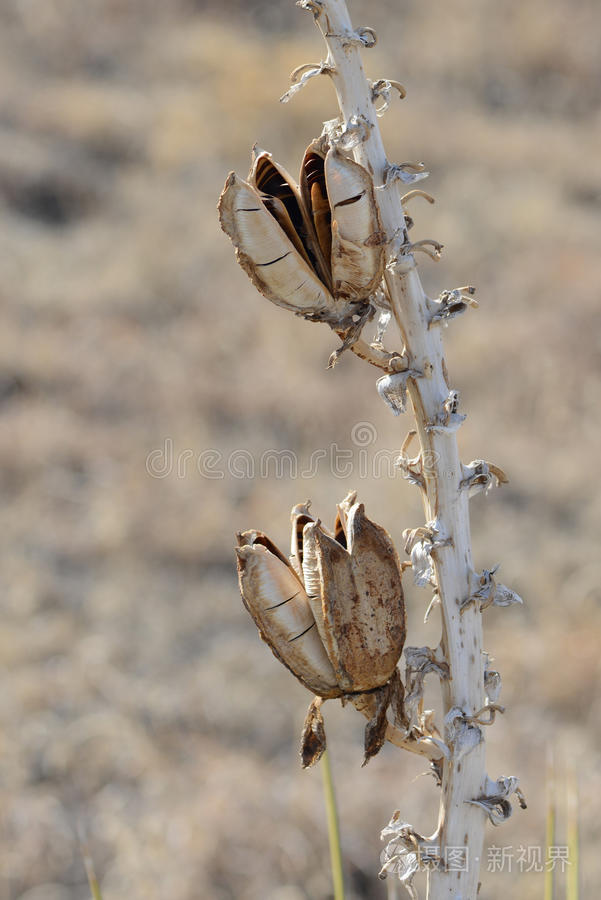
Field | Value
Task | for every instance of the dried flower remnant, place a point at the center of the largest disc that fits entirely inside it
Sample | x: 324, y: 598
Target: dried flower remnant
x: 486, y: 592
x: 495, y: 799
x: 480, y: 475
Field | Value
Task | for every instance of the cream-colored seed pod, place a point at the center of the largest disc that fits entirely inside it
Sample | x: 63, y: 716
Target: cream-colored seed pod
x: 358, y: 242
x: 317, y: 250
x: 277, y: 601
x: 268, y: 256
x: 338, y: 195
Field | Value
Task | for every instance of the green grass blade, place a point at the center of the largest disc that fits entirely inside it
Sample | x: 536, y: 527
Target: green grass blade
x: 573, y: 836
x: 333, y: 828
x: 550, y: 825
x: 89, y: 866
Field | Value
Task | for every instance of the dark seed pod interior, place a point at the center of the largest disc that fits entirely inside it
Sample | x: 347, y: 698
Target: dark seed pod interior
x: 315, y: 198
x: 339, y: 532
x: 282, y: 199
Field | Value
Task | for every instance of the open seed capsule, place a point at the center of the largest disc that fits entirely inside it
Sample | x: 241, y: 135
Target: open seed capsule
x: 334, y: 614
x: 317, y: 250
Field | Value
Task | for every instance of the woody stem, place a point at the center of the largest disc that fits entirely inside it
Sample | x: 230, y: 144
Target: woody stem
x: 461, y: 824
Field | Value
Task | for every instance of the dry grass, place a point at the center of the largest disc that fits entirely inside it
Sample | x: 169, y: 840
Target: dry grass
x: 137, y: 701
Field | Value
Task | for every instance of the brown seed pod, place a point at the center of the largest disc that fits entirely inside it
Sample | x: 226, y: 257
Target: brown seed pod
x: 317, y: 250
x: 360, y: 612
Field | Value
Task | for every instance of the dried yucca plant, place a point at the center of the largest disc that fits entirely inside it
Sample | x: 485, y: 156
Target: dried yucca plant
x: 336, y: 249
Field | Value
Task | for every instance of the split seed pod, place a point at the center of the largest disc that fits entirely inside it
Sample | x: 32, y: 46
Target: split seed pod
x: 333, y: 613
x: 317, y: 250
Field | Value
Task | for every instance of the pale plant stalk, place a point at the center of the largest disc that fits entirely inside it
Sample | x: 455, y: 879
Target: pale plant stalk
x: 461, y: 823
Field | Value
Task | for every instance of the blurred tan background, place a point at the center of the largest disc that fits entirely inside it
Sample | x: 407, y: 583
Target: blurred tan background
x: 139, y: 707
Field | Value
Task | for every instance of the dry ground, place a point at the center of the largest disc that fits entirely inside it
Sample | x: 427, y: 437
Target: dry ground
x: 138, y: 705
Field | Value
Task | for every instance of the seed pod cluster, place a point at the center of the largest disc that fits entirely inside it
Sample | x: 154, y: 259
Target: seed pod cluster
x: 315, y: 248
x: 333, y: 612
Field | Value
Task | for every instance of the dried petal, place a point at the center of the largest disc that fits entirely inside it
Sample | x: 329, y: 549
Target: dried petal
x: 461, y: 732
x: 375, y: 730
x: 397, y: 701
x: 421, y: 562
x: 313, y: 737
x: 495, y: 799
x: 492, y: 682
x: 480, y: 475
x: 504, y: 596
x: 402, y: 853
